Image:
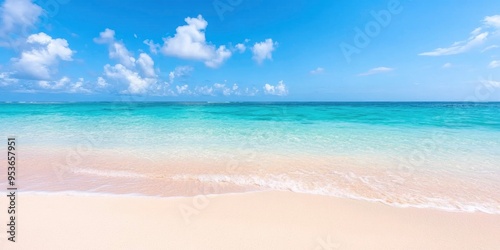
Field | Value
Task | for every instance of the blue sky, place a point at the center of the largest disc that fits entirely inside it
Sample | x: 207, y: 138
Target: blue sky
x: 242, y: 50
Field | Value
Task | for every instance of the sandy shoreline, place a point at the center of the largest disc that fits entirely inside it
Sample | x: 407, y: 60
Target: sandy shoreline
x: 266, y: 220
x: 345, y: 177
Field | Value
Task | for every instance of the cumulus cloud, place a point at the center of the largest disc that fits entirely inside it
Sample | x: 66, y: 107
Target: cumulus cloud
x: 316, y: 71
x: 136, y: 83
x: 226, y: 90
x: 117, y: 49
x: 107, y: 36
x: 178, y: 72
x: 280, y: 89
x: 205, y: 90
x: 263, y: 51
x: 138, y: 74
x: 241, y: 47
x: 249, y: 91
x: 6, y: 79
x: 189, y: 42
x: 153, y: 47
x: 377, y: 70
x: 219, y: 85
x: 101, y: 82
x: 221, y: 54
x: 184, y: 89
x: 18, y: 15
x: 78, y: 87
x: 218, y: 89
x: 40, y: 58
x: 477, y: 37
x: 65, y: 85
x: 146, y: 64
x: 59, y: 84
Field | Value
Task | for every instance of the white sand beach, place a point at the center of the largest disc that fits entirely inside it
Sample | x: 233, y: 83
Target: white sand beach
x: 265, y: 220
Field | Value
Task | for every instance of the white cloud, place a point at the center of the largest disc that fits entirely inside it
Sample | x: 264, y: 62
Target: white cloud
x: 221, y: 54
x: 204, y: 90
x: 184, y: 89
x: 250, y: 91
x: 105, y: 37
x: 101, y: 82
x: 476, y: 31
x: 377, y: 70
x: 459, y: 47
x: 280, y: 89
x: 45, y: 84
x: 189, y: 42
x: 263, y: 50
x: 241, y: 47
x: 491, y: 24
x: 316, y: 71
x: 18, y: 15
x: 489, y: 47
x: 59, y: 84
x: 219, y: 85
x: 494, y: 64
x: 44, y: 53
x: 78, y: 87
x: 146, y: 64
x: 138, y: 74
x: 179, y: 72
x: 218, y: 89
x: 117, y: 49
x: 65, y: 85
x: 447, y: 65
x: 6, y: 79
x: 136, y: 83
x: 153, y: 47
x: 493, y: 21
x: 162, y: 89
x: 226, y: 91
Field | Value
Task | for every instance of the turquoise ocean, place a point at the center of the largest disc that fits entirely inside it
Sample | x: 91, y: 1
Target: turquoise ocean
x: 438, y: 155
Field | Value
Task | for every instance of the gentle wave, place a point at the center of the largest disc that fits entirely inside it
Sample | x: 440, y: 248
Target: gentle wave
x: 284, y: 183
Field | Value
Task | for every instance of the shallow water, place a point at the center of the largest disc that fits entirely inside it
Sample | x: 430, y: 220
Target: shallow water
x: 441, y: 155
